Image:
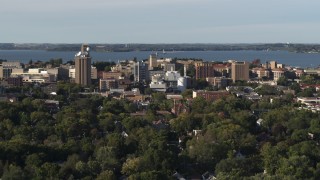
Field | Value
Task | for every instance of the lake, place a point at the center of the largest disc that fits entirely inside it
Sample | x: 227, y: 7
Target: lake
x: 284, y: 57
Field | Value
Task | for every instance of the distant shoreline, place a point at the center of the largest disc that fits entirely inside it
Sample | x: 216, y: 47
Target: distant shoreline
x: 160, y: 52
x: 294, y: 59
x: 298, y: 48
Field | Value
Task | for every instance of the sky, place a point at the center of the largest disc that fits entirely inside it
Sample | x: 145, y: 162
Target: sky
x: 159, y: 21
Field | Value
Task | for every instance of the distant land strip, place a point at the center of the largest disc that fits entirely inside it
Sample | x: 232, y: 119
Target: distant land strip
x: 298, y: 48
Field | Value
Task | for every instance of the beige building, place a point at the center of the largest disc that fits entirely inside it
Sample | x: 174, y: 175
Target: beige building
x: 94, y: 73
x: 168, y: 67
x: 210, y: 95
x: 261, y: 72
x: 108, y: 75
x: 6, y: 68
x: 34, y: 75
x: 240, y: 71
x: 83, y: 66
x: 299, y: 72
x: 72, y: 73
x: 280, y: 66
x: 220, y: 82
x: 222, y: 69
x: 273, y: 64
x: 125, y: 69
x: 277, y: 73
x: 153, y: 61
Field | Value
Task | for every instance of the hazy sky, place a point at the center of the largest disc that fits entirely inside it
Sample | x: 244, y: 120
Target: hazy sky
x: 160, y: 21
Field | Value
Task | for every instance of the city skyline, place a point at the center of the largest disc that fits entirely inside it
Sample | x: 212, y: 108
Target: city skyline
x: 175, y: 21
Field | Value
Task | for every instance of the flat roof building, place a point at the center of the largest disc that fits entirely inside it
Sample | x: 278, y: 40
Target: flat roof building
x: 240, y: 71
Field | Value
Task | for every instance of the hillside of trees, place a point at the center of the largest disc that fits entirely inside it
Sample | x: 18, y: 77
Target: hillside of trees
x: 94, y: 137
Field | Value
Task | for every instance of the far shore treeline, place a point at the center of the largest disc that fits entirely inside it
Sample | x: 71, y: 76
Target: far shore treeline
x: 301, y: 48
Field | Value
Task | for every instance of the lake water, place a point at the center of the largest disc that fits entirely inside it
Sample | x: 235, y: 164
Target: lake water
x: 284, y: 57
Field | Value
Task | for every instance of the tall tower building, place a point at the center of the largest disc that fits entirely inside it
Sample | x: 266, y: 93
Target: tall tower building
x: 153, y: 61
x: 83, y: 66
x: 140, y: 71
x: 240, y: 71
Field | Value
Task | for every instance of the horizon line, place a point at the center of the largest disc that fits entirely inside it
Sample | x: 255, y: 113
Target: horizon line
x: 161, y: 43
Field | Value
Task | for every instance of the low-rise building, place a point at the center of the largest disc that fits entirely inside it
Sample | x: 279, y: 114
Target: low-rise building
x: 124, y: 83
x: 222, y: 70
x: 108, y: 75
x: 54, y: 72
x: 219, y: 82
x: 124, y: 68
x: 157, y: 83
x: 168, y: 67
x: 156, y: 72
x: 261, y: 72
x: 305, y: 100
x: 37, y: 75
x: 106, y: 84
x: 7, y: 67
x: 312, y: 71
x: 299, y: 72
x: 277, y: 73
x: 210, y: 95
x: 174, y: 80
x: 15, y: 81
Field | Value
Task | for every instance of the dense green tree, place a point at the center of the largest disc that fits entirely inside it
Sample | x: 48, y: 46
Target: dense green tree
x: 132, y: 166
x: 267, y: 90
x: 308, y: 92
x: 93, y: 137
x: 238, y: 167
x: 296, y: 87
x: 107, y: 174
x: 187, y: 93
x: 103, y: 66
x: 245, y: 119
x: 184, y: 123
x: 282, y: 81
x: 107, y: 158
x: 82, y: 168
x: 206, y: 152
x: 271, y: 158
x: 199, y: 104
x: 149, y: 175
x: 201, y: 84
x: 308, y: 79
x: 290, y: 75
x: 12, y: 172
x: 49, y: 171
x: 299, y: 167
x: 55, y: 62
